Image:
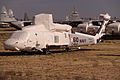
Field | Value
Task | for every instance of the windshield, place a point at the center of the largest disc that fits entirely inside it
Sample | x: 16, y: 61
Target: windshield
x: 20, y: 35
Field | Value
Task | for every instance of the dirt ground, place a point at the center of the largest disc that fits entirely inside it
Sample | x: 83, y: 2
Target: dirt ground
x: 95, y: 62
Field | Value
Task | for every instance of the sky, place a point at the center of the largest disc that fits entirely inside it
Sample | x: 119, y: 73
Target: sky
x: 62, y: 8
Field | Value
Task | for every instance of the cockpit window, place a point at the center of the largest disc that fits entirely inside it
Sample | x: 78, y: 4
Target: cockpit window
x: 19, y: 35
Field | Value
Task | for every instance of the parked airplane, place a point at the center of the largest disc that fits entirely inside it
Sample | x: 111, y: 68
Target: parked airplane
x: 113, y: 28
x: 7, y: 17
x: 45, y: 34
x: 90, y: 27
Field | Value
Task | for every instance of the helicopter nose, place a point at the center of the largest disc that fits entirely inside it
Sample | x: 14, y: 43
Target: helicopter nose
x: 10, y: 44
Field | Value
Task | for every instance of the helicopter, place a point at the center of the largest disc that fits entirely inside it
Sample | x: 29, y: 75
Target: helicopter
x: 44, y: 35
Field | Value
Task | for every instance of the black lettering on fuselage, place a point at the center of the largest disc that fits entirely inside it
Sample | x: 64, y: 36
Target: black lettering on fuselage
x: 76, y: 40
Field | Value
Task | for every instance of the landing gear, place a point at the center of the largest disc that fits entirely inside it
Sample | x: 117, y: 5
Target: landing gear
x: 100, y: 40
x: 45, y: 51
x: 67, y: 49
x: 25, y: 52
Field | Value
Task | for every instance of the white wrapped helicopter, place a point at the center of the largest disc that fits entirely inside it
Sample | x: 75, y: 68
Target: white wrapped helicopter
x: 44, y: 34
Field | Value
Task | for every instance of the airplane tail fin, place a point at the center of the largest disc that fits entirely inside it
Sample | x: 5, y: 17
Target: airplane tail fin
x: 7, y: 16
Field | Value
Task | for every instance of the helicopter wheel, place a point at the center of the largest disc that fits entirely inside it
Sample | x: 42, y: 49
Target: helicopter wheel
x: 67, y: 49
x: 45, y: 51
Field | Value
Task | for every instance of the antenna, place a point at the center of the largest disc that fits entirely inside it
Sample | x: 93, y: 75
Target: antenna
x: 25, y: 17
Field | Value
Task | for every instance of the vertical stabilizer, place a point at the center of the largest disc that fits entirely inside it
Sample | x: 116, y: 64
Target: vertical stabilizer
x: 3, y: 10
x: 4, y: 15
x: 11, y: 15
x: 7, y: 16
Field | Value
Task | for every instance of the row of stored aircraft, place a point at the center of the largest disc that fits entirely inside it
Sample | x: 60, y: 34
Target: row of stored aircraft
x: 89, y: 27
x: 43, y: 35
x: 92, y: 26
x: 7, y: 17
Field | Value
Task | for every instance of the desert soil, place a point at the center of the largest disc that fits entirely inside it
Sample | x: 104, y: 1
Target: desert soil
x: 95, y: 62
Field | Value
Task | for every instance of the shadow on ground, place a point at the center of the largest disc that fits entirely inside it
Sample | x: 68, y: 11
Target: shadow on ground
x: 108, y: 55
x: 111, y: 37
x: 41, y: 53
x: 18, y: 53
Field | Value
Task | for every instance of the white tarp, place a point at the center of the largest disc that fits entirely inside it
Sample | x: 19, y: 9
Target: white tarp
x: 47, y: 21
x: 114, y: 25
x: 113, y: 28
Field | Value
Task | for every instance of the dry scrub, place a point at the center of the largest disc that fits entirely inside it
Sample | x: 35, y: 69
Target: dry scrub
x: 95, y: 62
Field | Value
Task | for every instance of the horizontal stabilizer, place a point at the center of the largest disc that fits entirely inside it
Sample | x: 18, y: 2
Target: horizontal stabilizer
x: 17, y: 25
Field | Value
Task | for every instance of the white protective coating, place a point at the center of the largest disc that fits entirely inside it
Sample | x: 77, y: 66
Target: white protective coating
x: 113, y: 28
x: 92, y: 29
x: 40, y: 35
x: 44, y: 33
x: 47, y: 20
x: 83, y: 27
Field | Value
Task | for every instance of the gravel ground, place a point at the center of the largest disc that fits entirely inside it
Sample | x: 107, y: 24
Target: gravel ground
x: 95, y: 62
